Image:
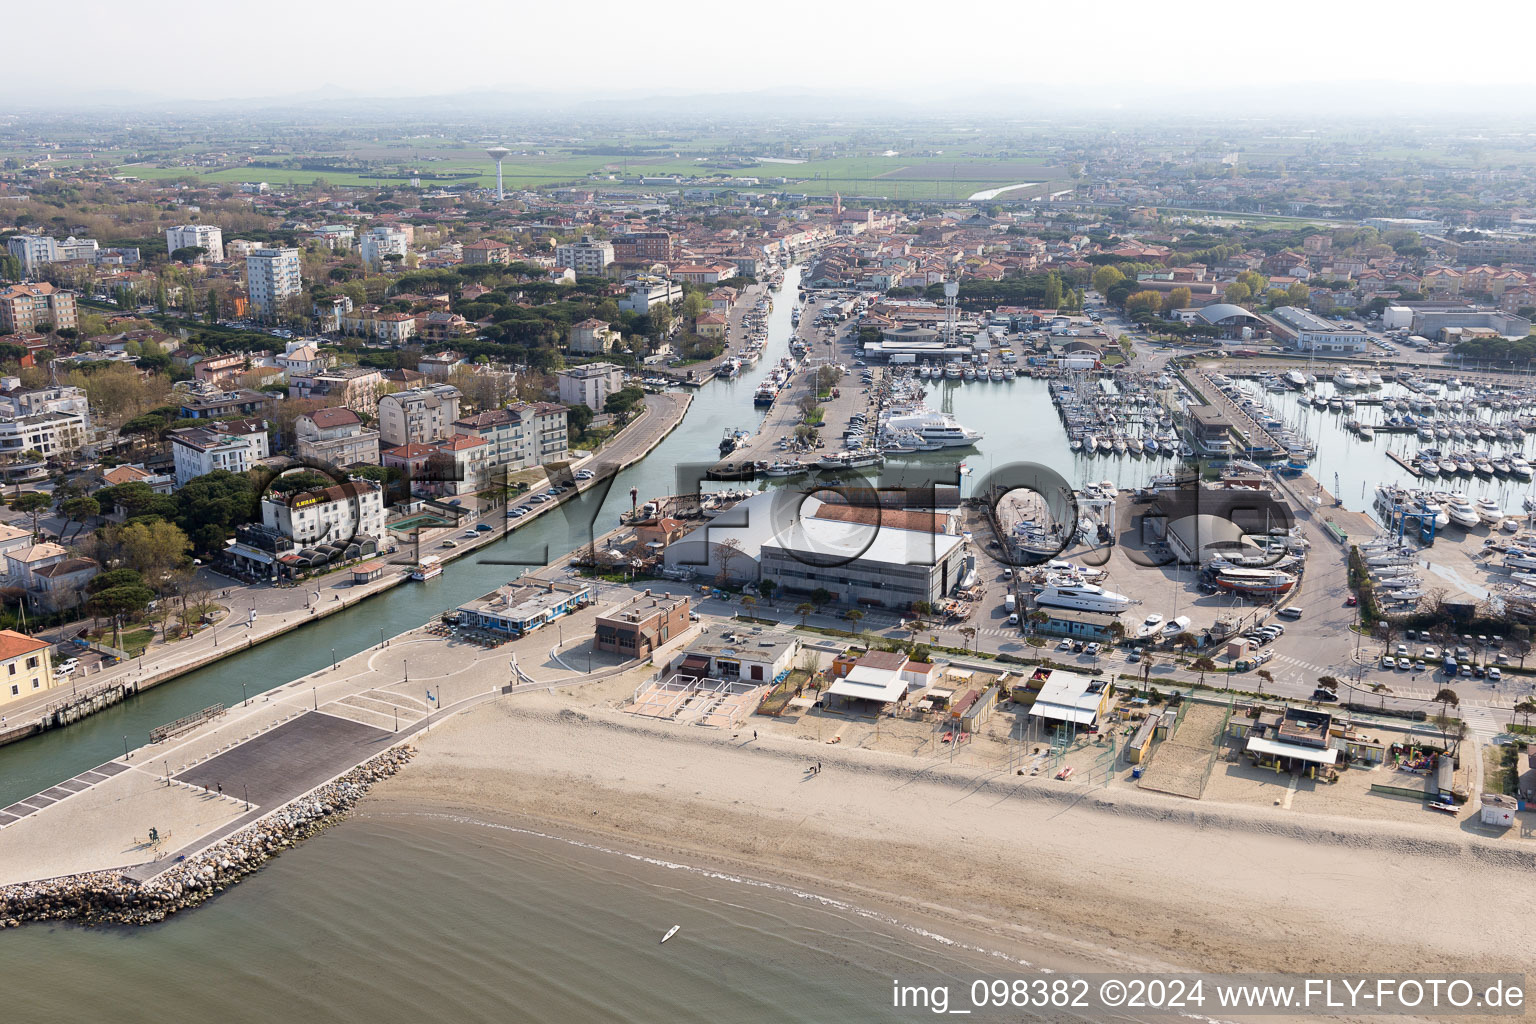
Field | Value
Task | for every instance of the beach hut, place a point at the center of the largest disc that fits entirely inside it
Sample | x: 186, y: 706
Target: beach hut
x: 1140, y: 745
x: 1499, y: 810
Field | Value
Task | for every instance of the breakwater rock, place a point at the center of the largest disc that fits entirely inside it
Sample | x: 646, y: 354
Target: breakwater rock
x: 107, y: 897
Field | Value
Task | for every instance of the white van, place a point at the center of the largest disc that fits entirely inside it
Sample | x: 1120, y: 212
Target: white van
x: 1009, y: 603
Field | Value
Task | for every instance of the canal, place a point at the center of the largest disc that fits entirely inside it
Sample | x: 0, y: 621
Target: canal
x: 1016, y: 418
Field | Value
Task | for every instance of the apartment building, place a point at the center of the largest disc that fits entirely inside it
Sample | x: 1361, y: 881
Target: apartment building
x: 523, y: 435
x: 31, y: 307
x: 379, y: 242
x: 646, y: 293
x: 356, y: 387
x: 213, y: 405
x: 272, y: 279
x: 336, y: 437
x: 487, y: 250
x: 34, y: 251
x: 237, y: 446
x: 588, y: 258
x: 418, y: 415
x: 54, y: 420
x: 644, y: 247
x: 590, y: 385
x: 333, y: 515
x: 25, y: 666
x: 592, y: 337
x: 204, y: 236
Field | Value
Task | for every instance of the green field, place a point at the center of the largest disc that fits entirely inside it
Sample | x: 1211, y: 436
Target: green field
x: 896, y: 177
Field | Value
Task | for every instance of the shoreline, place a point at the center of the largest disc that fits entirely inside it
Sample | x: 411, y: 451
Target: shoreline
x: 154, y: 676
x: 1061, y: 872
x: 1058, y: 877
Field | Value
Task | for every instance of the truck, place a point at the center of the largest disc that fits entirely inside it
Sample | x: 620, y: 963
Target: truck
x: 1010, y: 603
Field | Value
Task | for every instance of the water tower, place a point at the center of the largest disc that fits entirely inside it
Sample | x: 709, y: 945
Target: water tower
x: 498, y: 153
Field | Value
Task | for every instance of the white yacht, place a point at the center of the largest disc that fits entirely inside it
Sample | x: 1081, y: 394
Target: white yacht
x: 1346, y: 379
x: 936, y: 428
x: 1489, y: 510
x: 1295, y: 379
x: 1083, y: 596
x: 1462, y: 512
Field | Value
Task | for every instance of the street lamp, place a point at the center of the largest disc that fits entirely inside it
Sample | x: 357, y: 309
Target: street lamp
x: 314, y: 691
x: 333, y: 659
x: 243, y: 699
x: 247, y: 790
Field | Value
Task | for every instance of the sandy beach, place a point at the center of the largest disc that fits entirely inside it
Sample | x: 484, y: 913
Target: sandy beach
x: 1043, y: 868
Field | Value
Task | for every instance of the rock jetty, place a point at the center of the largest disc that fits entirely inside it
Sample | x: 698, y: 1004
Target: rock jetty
x: 106, y: 897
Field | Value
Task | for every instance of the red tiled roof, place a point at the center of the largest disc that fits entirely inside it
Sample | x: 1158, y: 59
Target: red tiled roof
x: 14, y: 644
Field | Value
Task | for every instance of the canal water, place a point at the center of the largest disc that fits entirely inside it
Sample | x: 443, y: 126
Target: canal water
x: 1018, y: 422
x: 1351, y: 468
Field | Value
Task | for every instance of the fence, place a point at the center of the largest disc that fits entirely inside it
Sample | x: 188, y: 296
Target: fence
x: 186, y: 724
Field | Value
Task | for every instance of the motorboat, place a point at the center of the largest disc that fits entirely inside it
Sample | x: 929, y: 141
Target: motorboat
x: 1462, y: 512
x: 1295, y: 379
x: 1346, y: 379
x: 936, y: 428
x: 1519, y: 467
x: 430, y: 567
x: 1082, y: 596
x: 1489, y: 510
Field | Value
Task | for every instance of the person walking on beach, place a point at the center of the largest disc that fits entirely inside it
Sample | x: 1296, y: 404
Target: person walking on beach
x: 754, y: 734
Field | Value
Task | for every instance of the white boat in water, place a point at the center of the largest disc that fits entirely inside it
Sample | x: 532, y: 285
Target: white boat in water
x: 430, y: 567
x: 936, y: 428
x: 1346, y: 379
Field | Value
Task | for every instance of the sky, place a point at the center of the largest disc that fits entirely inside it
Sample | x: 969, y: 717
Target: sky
x: 909, y: 51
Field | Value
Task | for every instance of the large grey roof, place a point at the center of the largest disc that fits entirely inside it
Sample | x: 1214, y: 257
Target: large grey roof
x: 1220, y: 311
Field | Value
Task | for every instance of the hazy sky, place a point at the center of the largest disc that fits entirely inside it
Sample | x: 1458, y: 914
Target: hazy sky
x: 272, y: 48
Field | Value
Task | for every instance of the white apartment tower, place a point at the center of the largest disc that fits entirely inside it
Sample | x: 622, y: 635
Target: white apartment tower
x: 204, y: 236
x: 272, y: 278
x: 589, y: 257
x: 380, y: 242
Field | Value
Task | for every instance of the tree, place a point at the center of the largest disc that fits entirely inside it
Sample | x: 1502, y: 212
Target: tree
x: 33, y: 503
x: 729, y: 550
x: 623, y: 400
x: 766, y: 588
x: 189, y: 254
x: 1186, y: 640
x: 1447, y: 699
x: 748, y: 602
x: 853, y: 615
x: 1298, y: 294
x: 1179, y: 298
x: 820, y: 597
x: 1237, y: 293
x: 969, y: 633
x: 804, y: 609
x: 1146, y: 301
x: 79, y: 509
x: 1052, y: 297
x: 1203, y: 664
x: 1526, y: 708
x: 578, y: 418
x: 1106, y: 277
x: 209, y: 508
x: 153, y: 548
x: 1265, y: 677
x: 693, y: 305
x: 117, y: 602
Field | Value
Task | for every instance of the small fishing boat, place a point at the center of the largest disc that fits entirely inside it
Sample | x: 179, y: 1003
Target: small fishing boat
x: 670, y: 932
